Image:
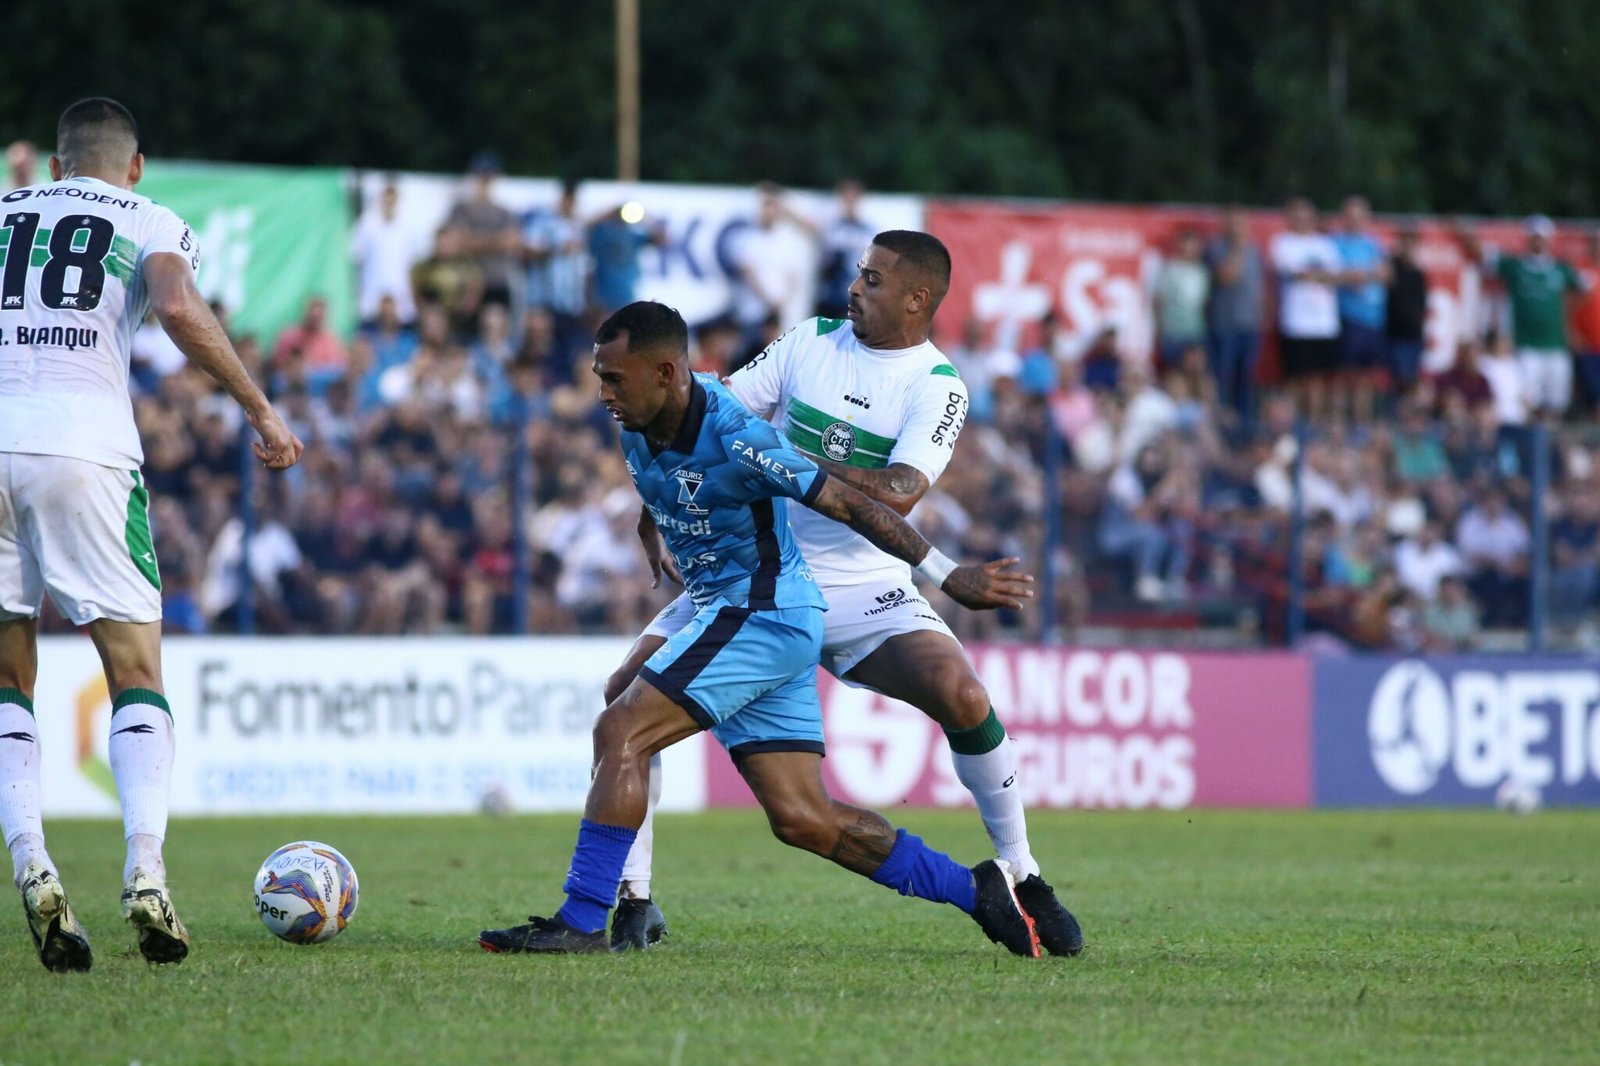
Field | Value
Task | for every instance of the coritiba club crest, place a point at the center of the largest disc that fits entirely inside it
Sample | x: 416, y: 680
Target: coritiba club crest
x: 839, y: 442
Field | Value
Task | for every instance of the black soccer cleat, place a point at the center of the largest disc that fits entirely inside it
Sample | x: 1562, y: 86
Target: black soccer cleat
x: 541, y: 936
x: 999, y: 914
x: 637, y: 924
x: 1058, y: 929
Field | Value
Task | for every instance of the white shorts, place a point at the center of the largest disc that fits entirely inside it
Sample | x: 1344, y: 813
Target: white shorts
x: 1547, y: 378
x: 80, y: 532
x: 858, y: 620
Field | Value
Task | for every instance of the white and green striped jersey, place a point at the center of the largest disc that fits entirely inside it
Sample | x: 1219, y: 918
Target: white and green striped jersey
x: 72, y: 294
x: 834, y: 397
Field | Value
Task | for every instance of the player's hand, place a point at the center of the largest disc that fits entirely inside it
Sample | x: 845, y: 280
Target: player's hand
x: 661, y: 563
x: 992, y: 585
x: 278, y: 448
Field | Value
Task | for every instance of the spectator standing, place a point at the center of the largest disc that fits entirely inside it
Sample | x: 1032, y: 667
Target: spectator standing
x: 1585, y: 323
x: 22, y: 164
x: 843, y: 239
x: 1537, y: 285
x: 558, y: 265
x: 615, y: 241
x: 1307, y: 265
x: 383, y: 249
x: 489, y: 232
x: 450, y: 280
x: 1181, y: 289
x: 1363, y: 275
x: 771, y: 270
x: 1234, y: 312
x: 1405, y: 311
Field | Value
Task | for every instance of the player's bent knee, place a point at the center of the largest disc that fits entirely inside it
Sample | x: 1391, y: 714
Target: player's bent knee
x: 963, y: 700
x: 800, y: 826
x: 613, y: 733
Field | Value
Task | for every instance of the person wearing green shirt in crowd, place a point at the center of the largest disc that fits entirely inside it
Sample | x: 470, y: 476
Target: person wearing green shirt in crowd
x: 1537, y: 285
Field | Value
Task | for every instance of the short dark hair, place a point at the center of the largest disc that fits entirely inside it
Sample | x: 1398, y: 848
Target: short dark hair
x: 648, y: 325
x: 97, y: 129
x: 925, y: 254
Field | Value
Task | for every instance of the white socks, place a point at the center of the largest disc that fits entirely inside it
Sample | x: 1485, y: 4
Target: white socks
x: 636, y: 870
x: 141, y: 762
x: 20, y: 823
x: 986, y: 764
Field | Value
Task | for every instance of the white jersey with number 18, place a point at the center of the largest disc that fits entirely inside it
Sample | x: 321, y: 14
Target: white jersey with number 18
x: 71, y: 295
x: 835, y: 398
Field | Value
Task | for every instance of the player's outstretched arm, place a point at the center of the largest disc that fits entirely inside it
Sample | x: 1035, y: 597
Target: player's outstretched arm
x: 978, y: 587
x: 188, y: 320
x: 897, y: 486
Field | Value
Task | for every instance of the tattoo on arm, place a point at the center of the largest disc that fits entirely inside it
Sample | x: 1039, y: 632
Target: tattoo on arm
x: 872, y: 520
x: 896, y: 486
x: 864, y: 844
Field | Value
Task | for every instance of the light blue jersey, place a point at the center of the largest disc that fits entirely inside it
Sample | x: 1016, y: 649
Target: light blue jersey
x: 1362, y: 304
x: 745, y: 666
x: 720, y: 493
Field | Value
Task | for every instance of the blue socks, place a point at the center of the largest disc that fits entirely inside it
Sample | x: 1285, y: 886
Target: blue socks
x: 914, y: 869
x: 595, y: 874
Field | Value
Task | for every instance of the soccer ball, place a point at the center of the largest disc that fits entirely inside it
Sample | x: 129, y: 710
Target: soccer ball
x: 1518, y: 797
x: 306, y: 892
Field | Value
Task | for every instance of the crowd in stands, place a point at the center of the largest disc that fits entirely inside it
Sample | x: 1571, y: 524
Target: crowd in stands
x: 462, y: 411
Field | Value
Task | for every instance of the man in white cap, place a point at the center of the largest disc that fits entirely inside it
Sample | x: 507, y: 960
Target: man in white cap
x: 1536, y: 286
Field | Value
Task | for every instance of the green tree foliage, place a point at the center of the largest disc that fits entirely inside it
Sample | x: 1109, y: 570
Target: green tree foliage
x: 1441, y: 105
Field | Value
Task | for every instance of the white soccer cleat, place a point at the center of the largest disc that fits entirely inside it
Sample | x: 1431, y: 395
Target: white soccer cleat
x: 147, y: 906
x: 61, y: 942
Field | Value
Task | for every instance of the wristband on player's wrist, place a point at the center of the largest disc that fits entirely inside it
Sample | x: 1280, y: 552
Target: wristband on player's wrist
x: 936, y: 566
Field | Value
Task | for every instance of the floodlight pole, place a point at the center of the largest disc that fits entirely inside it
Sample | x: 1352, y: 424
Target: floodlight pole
x: 627, y: 90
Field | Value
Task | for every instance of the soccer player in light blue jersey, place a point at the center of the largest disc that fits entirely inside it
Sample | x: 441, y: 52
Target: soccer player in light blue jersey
x: 717, y: 479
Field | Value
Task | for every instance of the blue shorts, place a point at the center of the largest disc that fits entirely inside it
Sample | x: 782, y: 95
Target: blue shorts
x: 750, y: 677
x: 1361, y: 347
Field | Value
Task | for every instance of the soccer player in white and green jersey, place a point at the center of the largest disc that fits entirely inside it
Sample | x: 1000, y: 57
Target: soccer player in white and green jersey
x: 877, y: 405
x: 85, y: 259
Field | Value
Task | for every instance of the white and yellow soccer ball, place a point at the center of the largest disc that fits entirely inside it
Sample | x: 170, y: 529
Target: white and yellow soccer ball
x: 306, y: 892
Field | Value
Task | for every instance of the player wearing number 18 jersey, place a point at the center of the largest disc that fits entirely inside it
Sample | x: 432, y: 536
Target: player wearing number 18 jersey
x: 877, y: 405
x: 85, y: 259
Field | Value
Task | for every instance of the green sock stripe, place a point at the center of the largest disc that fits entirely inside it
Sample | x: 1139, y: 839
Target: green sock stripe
x: 130, y: 696
x: 981, y: 739
x: 12, y: 695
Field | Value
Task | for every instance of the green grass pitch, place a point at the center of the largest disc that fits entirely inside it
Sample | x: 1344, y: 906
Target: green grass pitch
x: 1213, y: 937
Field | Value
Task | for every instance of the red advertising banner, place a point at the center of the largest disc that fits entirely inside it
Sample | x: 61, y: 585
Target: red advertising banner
x: 1093, y: 729
x: 1095, y: 265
